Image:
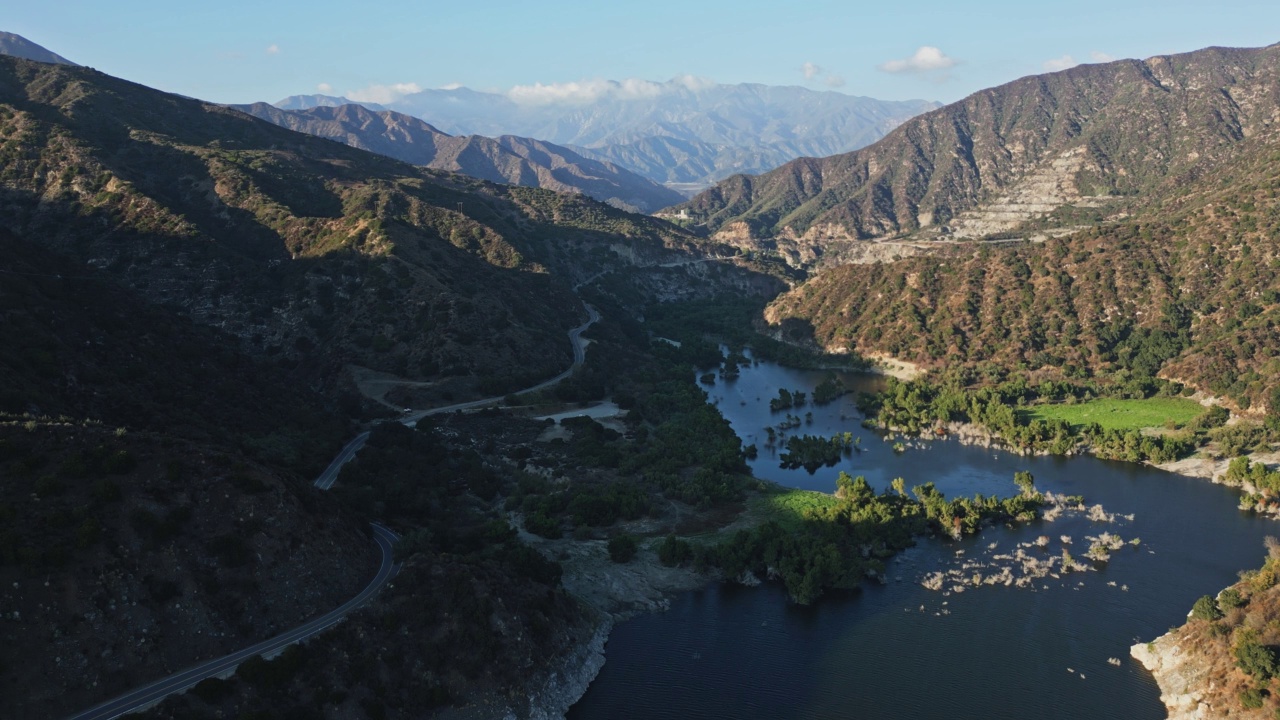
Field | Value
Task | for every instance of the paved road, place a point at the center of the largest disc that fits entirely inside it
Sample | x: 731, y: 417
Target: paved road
x: 325, y: 481
x: 579, y: 356
x: 147, y: 695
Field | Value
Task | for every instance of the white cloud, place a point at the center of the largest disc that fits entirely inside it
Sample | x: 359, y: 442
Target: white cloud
x: 451, y: 86
x: 692, y: 83
x: 1100, y: 57
x: 1060, y: 63
x: 588, y: 91
x: 382, y: 94
x: 810, y: 70
x: 926, y: 59
x: 325, y: 88
x: 834, y: 81
x: 273, y: 49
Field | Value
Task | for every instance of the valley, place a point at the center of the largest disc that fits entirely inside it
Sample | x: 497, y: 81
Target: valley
x: 938, y: 408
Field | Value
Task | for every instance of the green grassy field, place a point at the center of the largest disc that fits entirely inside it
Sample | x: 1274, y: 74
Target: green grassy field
x: 788, y: 505
x: 1121, y: 414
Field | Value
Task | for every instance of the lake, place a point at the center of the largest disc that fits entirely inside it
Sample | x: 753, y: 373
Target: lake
x: 900, y: 650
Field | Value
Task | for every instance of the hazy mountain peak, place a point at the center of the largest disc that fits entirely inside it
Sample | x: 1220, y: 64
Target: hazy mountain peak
x: 683, y: 131
x: 18, y: 46
x: 306, y: 102
x: 510, y: 160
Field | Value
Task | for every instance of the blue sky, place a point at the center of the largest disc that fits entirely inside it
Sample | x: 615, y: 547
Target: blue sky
x: 239, y: 51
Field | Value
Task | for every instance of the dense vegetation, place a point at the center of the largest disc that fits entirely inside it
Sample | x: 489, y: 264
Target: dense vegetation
x: 310, y: 253
x: 1009, y: 410
x: 1187, y: 292
x: 811, y: 452
x: 814, y: 541
x: 1261, y: 484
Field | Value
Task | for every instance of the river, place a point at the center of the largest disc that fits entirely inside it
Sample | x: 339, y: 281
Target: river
x: 903, y: 651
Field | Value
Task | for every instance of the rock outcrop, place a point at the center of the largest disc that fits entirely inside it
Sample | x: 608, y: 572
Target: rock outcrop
x: 1181, y: 676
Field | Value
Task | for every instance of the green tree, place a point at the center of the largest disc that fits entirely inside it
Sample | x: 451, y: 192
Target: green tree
x: 1230, y: 599
x: 1206, y: 608
x: 622, y: 548
x: 674, y: 552
x: 1253, y: 657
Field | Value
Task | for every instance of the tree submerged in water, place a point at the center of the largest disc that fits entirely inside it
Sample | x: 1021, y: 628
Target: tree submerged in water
x: 812, y: 452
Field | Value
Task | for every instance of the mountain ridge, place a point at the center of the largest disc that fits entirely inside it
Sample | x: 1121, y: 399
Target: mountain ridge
x: 1181, y: 288
x: 18, y: 46
x: 724, y: 128
x: 1092, y: 136
x: 297, y: 245
x: 506, y: 159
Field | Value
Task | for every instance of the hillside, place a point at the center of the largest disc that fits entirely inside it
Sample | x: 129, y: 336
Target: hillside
x: 155, y: 508
x: 1222, y: 661
x: 1101, y: 139
x: 308, y: 252
x: 1185, y: 289
x: 685, y: 131
x: 507, y: 159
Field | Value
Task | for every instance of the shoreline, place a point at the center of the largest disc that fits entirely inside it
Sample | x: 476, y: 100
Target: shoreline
x: 619, y: 592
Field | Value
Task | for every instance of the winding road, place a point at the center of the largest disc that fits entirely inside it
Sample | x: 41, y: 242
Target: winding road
x: 579, y: 356
x: 148, y: 695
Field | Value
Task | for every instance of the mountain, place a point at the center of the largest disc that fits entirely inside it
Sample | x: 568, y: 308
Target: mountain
x: 681, y: 132
x: 306, y: 102
x: 181, y: 498
x: 1179, y: 286
x: 1011, y: 160
x: 18, y: 46
x: 196, y: 282
x: 310, y: 253
x: 508, y: 159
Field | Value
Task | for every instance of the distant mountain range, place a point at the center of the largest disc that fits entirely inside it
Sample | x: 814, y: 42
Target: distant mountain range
x: 681, y: 132
x: 18, y: 46
x: 507, y: 159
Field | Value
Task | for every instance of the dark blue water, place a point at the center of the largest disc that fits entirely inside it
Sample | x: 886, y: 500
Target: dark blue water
x: 897, y: 650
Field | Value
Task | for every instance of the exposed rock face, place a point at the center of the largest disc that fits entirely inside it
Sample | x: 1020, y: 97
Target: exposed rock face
x: 1181, y: 678
x: 565, y: 684
x: 1042, y: 191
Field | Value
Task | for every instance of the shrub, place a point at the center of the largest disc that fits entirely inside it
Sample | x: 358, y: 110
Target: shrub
x: 622, y: 548
x: 1251, y: 698
x: 1206, y: 608
x: 1253, y: 657
x: 674, y: 552
x: 540, y: 524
